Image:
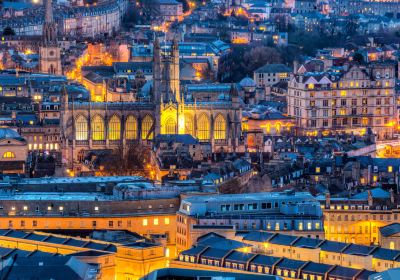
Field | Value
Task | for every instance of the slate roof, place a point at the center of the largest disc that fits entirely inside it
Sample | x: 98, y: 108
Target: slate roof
x: 273, y: 68
x: 304, y: 242
x: 258, y: 236
x: 237, y: 256
x: 376, y: 193
x: 194, y: 251
x: 333, y: 246
x: 386, y: 254
x: 282, y: 239
x: 313, y: 267
x: 355, y: 249
x: 265, y: 260
x: 390, y: 230
x: 186, y: 139
x: 215, y: 253
x: 290, y: 264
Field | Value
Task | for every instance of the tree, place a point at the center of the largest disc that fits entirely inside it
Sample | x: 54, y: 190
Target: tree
x: 133, y: 160
x: 358, y: 57
x: 8, y: 31
x: 132, y: 16
x: 185, y: 5
x: 259, y: 56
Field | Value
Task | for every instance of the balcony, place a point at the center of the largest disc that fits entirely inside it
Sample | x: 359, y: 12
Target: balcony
x: 82, y: 142
x: 98, y: 142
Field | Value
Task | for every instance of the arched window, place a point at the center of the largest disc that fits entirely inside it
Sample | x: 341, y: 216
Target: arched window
x: 219, y: 128
x: 131, y: 128
x: 97, y: 128
x: 203, y: 127
x: 114, y: 128
x: 189, y: 125
x: 8, y: 155
x: 147, y: 126
x: 81, y: 128
x: 170, y: 126
x: 278, y: 127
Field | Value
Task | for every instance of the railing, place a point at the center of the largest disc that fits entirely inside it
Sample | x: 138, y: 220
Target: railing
x: 98, y: 142
x: 82, y: 142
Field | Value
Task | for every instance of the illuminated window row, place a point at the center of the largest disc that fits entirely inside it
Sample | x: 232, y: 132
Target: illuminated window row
x: 155, y: 221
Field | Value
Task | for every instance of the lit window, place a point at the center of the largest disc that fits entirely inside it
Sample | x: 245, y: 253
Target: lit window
x: 203, y: 127
x: 156, y: 222
x: 61, y: 208
x: 342, y: 93
x: 166, y: 221
x: 144, y: 222
x: 96, y: 208
x: 147, y: 128
x: 317, y: 169
x: 25, y: 208
x: 375, y: 178
x: 390, y: 168
x: 13, y: 208
x: 81, y: 128
x: 220, y: 128
x: 309, y: 226
x: 8, y: 155
x: 311, y: 86
x: 48, y: 208
x: 131, y: 128
x: 97, y: 128
x: 114, y: 128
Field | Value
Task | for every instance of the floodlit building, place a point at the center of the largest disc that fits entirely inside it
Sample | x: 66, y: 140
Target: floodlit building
x: 349, y: 100
x: 13, y: 152
x: 280, y: 212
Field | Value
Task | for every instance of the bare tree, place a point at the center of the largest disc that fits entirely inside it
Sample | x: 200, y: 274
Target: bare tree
x: 259, y: 56
x: 134, y: 159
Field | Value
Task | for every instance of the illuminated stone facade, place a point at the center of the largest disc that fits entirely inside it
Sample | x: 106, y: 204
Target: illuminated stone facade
x: 105, y: 125
x: 349, y: 101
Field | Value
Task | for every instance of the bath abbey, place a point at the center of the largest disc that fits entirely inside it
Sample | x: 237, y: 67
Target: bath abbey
x: 88, y: 126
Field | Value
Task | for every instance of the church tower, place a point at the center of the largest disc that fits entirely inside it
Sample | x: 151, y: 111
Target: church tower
x: 166, y: 90
x: 50, y: 53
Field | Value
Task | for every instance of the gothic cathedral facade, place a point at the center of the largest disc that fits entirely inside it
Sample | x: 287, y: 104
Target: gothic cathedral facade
x: 89, y: 126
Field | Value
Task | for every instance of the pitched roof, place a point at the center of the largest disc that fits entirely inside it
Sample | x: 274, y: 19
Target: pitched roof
x: 390, y: 230
x: 273, y: 68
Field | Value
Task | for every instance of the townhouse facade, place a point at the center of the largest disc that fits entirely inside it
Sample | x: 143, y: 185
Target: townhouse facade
x: 355, y: 100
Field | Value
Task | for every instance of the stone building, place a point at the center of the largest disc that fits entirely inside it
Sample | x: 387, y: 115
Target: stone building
x: 104, y: 125
x: 352, y: 99
x: 50, y: 52
x: 13, y: 152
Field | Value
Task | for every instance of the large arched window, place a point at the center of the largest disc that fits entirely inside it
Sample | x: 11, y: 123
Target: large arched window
x: 8, y: 155
x: 131, y: 128
x: 189, y: 125
x: 219, y: 128
x: 97, y: 128
x: 81, y: 128
x: 114, y: 128
x: 147, y: 126
x: 170, y: 126
x: 203, y: 127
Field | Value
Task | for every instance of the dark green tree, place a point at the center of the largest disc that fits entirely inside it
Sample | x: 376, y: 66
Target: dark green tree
x: 8, y: 31
x: 358, y: 57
